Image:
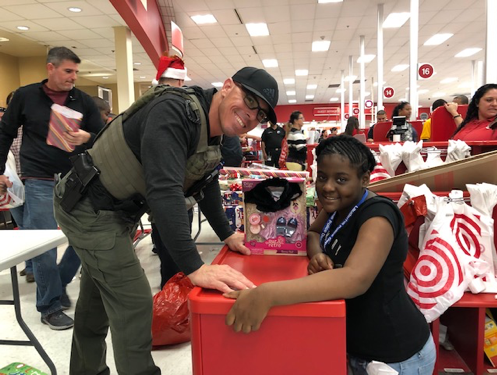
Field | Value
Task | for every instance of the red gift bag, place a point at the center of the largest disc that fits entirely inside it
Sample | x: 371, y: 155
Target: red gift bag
x: 171, y: 321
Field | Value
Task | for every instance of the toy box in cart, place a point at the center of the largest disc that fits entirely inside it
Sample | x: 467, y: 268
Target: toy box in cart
x: 275, y: 216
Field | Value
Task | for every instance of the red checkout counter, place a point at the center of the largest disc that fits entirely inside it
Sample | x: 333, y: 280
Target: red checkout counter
x: 306, y: 338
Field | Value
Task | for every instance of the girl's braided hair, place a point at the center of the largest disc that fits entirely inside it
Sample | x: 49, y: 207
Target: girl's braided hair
x: 358, y: 154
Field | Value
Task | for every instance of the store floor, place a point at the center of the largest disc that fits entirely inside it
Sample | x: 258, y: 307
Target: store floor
x: 173, y: 360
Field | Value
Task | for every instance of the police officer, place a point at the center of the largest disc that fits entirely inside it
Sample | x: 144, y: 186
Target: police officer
x: 271, y: 144
x: 150, y: 160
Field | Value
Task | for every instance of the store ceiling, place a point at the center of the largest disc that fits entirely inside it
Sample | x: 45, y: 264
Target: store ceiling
x: 214, y: 52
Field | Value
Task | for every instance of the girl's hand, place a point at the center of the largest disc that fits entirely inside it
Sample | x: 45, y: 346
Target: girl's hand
x: 249, y: 310
x: 319, y: 262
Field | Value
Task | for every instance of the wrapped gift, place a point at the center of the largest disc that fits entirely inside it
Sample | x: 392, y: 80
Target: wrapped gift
x: 263, y: 173
x: 234, y: 213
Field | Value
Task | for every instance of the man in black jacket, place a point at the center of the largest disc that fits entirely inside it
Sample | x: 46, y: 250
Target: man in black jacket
x: 58, y: 121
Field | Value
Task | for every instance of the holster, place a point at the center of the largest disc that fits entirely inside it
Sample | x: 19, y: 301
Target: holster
x: 78, y: 179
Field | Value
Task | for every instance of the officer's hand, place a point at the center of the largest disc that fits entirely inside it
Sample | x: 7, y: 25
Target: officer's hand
x: 220, y: 277
x: 235, y: 243
x: 76, y: 138
x: 4, y: 184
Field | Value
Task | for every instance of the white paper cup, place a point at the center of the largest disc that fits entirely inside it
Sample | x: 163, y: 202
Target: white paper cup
x: 396, y: 137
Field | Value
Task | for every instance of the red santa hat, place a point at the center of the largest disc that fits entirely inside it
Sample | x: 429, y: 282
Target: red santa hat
x: 171, y: 67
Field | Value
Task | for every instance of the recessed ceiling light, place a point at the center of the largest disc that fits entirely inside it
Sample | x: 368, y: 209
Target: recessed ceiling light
x: 2, y: 39
x: 329, y: 1
x: 395, y: 20
x: 376, y: 83
x: 257, y: 29
x: 203, y: 19
x: 367, y: 93
x: 341, y: 90
x: 301, y: 72
x: 423, y: 91
x: 23, y: 28
x: 292, y: 101
x: 321, y: 45
x: 309, y: 97
x: 290, y: 93
x: 289, y: 81
x: 137, y: 63
x: 74, y: 9
x: 437, y: 39
x: 270, y: 63
x: 143, y: 77
x: 468, y: 52
x: 350, y: 78
x: 400, y: 67
x: 105, y: 77
x: 217, y: 84
x: 312, y: 87
x: 449, y: 80
x: 367, y: 59
x: 334, y: 99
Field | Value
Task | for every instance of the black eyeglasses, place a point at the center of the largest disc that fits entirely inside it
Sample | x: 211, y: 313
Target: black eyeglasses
x: 252, y: 103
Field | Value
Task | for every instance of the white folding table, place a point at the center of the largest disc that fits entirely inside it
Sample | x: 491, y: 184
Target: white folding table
x: 18, y: 246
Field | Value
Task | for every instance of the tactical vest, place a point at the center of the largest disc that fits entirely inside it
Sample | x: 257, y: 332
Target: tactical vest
x: 120, y: 171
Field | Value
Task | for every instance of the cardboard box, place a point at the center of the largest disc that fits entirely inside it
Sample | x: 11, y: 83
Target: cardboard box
x: 277, y: 233
x: 455, y: 175
x: 490, y: 345
x: 288, y: 338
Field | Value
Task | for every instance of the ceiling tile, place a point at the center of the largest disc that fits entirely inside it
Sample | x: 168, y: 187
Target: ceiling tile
x: 33, y: 11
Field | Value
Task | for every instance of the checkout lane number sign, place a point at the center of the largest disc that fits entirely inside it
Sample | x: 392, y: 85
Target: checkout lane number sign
x: 388, y: 92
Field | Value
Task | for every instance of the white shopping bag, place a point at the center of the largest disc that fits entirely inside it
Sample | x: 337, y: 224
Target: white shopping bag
x: 457, y: 150
x: 379, y: 172
x: 433, y: 158
x: 443, y: 270
x: 15, y: 194
x: 411, y: 156
x: 391, y: 157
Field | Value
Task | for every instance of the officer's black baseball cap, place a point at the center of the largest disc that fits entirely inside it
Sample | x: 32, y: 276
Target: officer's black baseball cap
x: 262, y: 84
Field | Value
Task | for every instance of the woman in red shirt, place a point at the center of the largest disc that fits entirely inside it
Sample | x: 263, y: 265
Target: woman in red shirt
x: 480, y: 123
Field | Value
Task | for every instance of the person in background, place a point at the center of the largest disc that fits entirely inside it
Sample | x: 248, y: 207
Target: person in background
x: 333, y: 132
x: 231, y: 151
x: 452, y: 108
x: 324, y: 134
x: 381, y: 116
x: 284, y: 147
x: 18, y: 212
x: 426, y: 133
x: 42, y: 157
x: 103, y: 107
x: 297, y: 144
x: 169, y: 145
x: 352, y: 127
x: 480, y: 123
x: 460, y: 100
x: 356, y: 247
x: 405, y: 109
x: 271, y: 139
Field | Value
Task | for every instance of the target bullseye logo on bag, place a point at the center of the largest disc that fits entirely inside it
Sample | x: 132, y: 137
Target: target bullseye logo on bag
x: 468, y: 233
x: 437, y: 280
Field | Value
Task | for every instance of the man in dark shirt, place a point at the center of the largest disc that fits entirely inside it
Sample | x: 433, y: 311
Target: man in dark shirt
x: 47, y: 145
x: 271, y: 144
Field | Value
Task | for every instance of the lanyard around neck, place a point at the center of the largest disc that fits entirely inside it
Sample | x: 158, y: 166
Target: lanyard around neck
x: 324, y: 242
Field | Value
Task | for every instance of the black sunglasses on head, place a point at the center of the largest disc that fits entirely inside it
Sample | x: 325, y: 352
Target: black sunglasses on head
x: 252, y: 102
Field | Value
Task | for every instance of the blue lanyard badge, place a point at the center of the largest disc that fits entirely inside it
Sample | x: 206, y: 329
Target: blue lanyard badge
x: 322, y: 238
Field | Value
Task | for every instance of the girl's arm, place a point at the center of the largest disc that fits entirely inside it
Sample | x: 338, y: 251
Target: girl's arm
x: 368, y: 255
